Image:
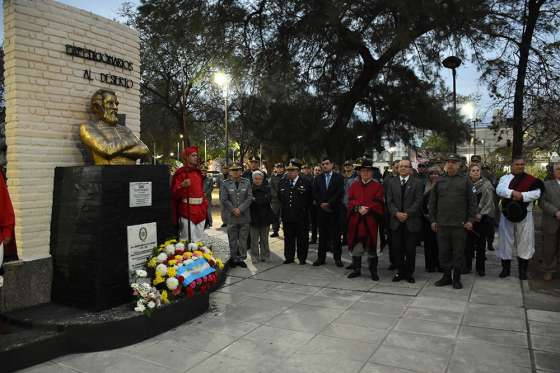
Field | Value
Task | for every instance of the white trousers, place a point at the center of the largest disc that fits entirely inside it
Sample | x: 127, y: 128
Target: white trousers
x: 516, y: 239
x: 197, y: 230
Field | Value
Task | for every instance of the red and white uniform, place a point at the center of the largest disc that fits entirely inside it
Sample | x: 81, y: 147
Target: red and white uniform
x: 362, y: 229
x: 189, y: 203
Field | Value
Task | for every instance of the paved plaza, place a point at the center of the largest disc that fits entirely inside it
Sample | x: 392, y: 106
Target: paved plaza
x: 273, y: 317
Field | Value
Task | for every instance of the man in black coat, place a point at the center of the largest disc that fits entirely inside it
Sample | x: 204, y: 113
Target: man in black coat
x: 328, y: 191
x: 294, y: 194
x: 403, y: 195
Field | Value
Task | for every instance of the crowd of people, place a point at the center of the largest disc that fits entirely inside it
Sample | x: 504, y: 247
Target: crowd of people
x: 451, y: 208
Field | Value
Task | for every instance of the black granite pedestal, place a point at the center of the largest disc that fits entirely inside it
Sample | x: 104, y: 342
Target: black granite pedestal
x: 89, y: 223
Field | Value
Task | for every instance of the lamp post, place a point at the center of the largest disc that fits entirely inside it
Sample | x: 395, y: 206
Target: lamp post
x: 453, y: 62
x: 222, y: 80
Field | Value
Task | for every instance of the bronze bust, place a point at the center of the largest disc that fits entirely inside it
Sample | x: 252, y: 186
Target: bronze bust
x: 109, y: 143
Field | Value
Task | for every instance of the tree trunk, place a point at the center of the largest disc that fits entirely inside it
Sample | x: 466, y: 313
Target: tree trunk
x: 533, y: 9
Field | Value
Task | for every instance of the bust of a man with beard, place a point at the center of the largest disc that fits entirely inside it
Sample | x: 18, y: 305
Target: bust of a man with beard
x: 109, y: 143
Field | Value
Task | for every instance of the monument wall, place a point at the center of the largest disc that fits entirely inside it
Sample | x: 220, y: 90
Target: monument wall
x: 56, y: 57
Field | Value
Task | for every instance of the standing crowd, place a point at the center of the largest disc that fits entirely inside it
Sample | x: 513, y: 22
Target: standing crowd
x: 451, y: 208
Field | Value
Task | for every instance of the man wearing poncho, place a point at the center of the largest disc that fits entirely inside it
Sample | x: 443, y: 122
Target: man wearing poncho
x: 518, y: 191
x: 365, y: 209
x: 189, y: 202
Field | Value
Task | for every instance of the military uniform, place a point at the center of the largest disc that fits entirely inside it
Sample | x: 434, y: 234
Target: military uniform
x: 237, y: 194
x: 451, y: 205
x: 295, y: 198
x: 275, y: 203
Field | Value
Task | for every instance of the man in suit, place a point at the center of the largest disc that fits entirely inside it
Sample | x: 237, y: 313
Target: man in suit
x: 404, y: 201
x: 328, y: 191
x: 294, y: 193
x: 549, y: 255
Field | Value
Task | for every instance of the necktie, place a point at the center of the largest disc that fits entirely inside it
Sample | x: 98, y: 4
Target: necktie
x: 291, y: 183
x: 403, y: 182
x: 327, y: 179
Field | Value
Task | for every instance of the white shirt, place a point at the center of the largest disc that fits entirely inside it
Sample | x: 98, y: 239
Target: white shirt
x: 293, y: 182
x: 404, y: 178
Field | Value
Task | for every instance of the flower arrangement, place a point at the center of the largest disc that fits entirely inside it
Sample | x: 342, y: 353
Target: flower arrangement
x: 174, y: 270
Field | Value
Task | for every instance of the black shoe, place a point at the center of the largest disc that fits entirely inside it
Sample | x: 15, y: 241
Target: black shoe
x: 357, y: 264
x: 392, y: 267
x: 445, y: 280
x: 242, y: 264
x: 410, y: 280
x: 373, y: 268
x: 457, y: 279
x: 318, y: 263
x: 232, y: 263
x: 396, y: 278
x: 339, y: 263
x: 302, y: 262
x: 288, y: 261
x: 274, y: 234
x: 506, y: 269
x: 350, y: 266
x: 481, y: 273
x: 523, y: 265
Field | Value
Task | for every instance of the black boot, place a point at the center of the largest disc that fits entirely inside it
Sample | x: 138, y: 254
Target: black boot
x: 357, y: 270
x: 506, y: 268
x: 523, y: 264
x: 351, y: 265
x: 373, y: 268
x: 480, y: 266
x: 457, y: 279
x: 445, y: 280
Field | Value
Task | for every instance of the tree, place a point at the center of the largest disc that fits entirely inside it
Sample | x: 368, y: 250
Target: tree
x: 518, y: 52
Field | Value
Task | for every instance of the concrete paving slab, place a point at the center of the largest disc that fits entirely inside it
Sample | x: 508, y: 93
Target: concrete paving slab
x: 430, y: 328
x: 544, y: 343
x: 419, y: 361
x: 355, y: 333
x: 410, y: 341
x: 547, y: 361
x: 442, y: 316
x: 502, y: 337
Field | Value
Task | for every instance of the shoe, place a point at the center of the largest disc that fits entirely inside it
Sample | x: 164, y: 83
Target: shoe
x: 357, y: 262
x: 232, y: 263
x: 547, y: 276
x: 275, y: 234
x: 302, y: 262
x: 523, y: 265
x: 350, y: 266
x: 373, y: 268
x: 242, y: 264
x: 481, y: 272
x: 410, y: 280
x: 338, y: 263
x: 506, y: 269
x: 457, y: 279
x: 445, y: 280
x: 391, y: 267
x: 318, y: 263
x: 396, y: 278
x: 288, y: 261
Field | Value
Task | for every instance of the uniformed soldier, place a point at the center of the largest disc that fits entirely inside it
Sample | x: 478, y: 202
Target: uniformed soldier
x: 236, y: 198
x: 452, y: 208
x: 253, y: 166
x: 294, y: 194
x: 276, y: 206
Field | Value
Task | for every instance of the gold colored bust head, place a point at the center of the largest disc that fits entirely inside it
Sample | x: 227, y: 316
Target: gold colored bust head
x: 109, y: 143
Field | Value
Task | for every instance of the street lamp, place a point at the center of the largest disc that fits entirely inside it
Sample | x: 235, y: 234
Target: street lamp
x: 453, y: 62
x: 222, y: 80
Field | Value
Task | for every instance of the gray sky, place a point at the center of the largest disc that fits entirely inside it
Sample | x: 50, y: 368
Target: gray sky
x: 467, y: 75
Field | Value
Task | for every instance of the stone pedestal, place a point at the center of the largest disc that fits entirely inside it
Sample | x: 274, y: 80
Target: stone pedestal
x: 89, y: 230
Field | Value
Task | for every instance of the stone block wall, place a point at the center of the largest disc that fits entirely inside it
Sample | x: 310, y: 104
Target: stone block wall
x: 47, y: 98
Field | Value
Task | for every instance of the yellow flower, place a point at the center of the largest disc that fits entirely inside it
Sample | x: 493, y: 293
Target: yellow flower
x: 200, y: 243
x: 164, y: 297
x: 158, y: 280
x: 152, y: 263
x: 220, y: 263
x: 171, y: 272
x: 171, y: 262
x: 207, y: 256
x: 178, y: 257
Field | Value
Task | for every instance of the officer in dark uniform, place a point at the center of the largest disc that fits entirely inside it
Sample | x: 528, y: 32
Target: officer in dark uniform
x: 294, y: 194
x: 253, y: 166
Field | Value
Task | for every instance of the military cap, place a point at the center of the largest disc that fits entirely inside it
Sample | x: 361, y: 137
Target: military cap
x: 235, y: 166
x: 476, y: 158
x: 366, y: 163
x: 294, y: 164
x: 453, y: 158
x: 254, y: 159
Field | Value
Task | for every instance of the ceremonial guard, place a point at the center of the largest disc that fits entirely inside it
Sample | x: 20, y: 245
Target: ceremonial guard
x: 365, y: 209
x: 236, y: 198
x: 190, y: 206
x: 328, y: 191
x: 404, y: 202
x: 518, y: 191
x: 294, y: 193
x: 452, y: 208
x: 276, y: 205
x: 549, y: 255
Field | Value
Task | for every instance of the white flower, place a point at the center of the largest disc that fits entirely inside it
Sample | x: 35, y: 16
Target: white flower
x: 140, y: 307
x: 172, y: 283
x: 192, y: 246
x: 141, y: 273
x: 161, y: 269
x: 161, y: 257
x: 180, y: 246
x: 134, y: 286
x: 151, y: 304
x: 170, y: 249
